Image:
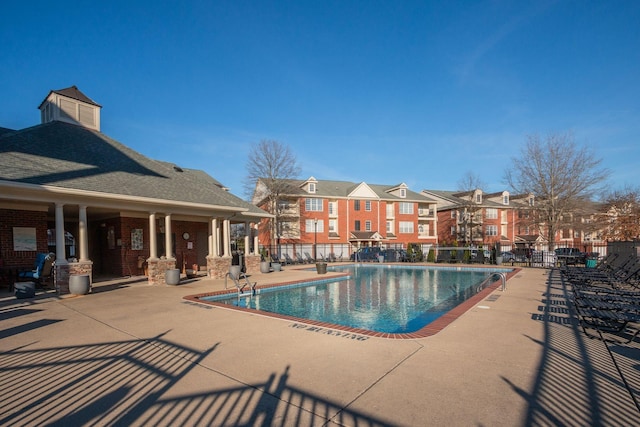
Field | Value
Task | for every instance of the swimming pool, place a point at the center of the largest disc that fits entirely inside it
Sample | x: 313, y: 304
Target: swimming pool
x: 379, y: 298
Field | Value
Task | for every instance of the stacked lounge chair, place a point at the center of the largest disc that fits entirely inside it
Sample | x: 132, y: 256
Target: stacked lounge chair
x: 607, y: 298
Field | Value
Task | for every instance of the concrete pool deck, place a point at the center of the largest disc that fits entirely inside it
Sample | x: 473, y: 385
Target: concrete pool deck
x: 135, y: 354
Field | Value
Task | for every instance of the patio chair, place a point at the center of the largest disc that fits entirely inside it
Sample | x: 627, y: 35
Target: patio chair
x: 605, y: 320
x: 308, y: 258
x: 42, y: 272
x: 288, y: 259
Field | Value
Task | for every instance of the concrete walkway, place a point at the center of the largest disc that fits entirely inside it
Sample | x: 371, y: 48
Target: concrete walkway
x: 134, y: 354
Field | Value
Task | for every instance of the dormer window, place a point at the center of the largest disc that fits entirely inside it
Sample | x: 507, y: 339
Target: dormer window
x: 478, y: 197
x: 403, y: 193
x: 312, y: 187
x: 530, y: 200
x: 505, y: 199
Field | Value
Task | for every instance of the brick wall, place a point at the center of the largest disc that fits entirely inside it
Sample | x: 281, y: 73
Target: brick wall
x: 21, y: 218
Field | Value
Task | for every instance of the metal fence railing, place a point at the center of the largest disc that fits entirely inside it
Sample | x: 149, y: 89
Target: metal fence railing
x: 505, y: 254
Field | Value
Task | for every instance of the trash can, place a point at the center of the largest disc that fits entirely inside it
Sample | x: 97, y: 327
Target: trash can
x: 591, y: 262
x: 172, y: 276
x: 321, y: 267
x: 79, y: 284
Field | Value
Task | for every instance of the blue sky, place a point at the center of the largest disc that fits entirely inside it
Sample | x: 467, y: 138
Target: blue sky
x: 384, y: 92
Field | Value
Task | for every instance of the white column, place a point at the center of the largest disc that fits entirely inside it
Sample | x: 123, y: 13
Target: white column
x: 168, y: 244
x: 247, y: 236
x: 213, y: 249
x: 226, y: 238
x: 60, y: 249
x: 153, y: 239
x: 256, y: 250
x: 82, y: 234
x: 210, y: 239
x: 218, y: 238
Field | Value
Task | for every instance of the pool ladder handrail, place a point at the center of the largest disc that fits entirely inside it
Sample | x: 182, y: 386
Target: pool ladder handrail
x: 503, y: 278
x: 240, y: 286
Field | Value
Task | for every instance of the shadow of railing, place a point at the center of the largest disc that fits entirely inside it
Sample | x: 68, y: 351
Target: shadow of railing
x: 577, y: 381
x: 150, y: 382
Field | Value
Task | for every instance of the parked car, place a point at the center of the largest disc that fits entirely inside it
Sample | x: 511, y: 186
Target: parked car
x: 570, y: 255
x: 368, y: 253
x: 509, y: 256
x: 395, y: 255
x: 485, y: 253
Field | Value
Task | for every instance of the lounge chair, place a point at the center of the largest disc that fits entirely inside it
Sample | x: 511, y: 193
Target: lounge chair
x: 308, y: 258
x: 288, y: 259
x: 625, y: 277
x: 605, y: 320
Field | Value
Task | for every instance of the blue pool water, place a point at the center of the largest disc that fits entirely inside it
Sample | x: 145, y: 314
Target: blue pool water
x: 380, y: 298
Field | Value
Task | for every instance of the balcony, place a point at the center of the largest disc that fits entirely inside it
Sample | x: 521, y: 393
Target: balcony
x: 427, y: 213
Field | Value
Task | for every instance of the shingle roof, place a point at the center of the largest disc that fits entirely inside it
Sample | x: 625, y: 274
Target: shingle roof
x: 341, y: 189
x: 73, y: 157
x: 72, y: 92
x: 5, y: 130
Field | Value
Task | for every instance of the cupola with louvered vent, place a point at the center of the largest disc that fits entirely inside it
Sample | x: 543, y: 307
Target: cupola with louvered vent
x: 71, y: 106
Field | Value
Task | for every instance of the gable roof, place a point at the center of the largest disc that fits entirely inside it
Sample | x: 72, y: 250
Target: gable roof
x: 70, y: 157
x: 345, y: 189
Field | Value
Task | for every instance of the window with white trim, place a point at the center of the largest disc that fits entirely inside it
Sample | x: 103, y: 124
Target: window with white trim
x: 390, y: 212
x: 313, y: 205
x: 310, y: 226
x: 491, y: 213
x: 405, y: 227
x: 333, y: 226
x: 333, y: 208
x: 505, y: 199
x: 406, y: 207
x: 491, y: 230
x: 403, y: 193
x: 312, y: 187
x: 356, y: 205
x: 453, y: 230
x: 367, y: 226
x: 367, y: 205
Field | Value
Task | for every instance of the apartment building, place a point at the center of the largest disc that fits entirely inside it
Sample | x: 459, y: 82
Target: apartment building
x: 337, y: 217
x: 479, y: 218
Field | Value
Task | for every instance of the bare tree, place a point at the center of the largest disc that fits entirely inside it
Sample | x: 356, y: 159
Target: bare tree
x: 270, y: 167
x: 560, y: 174
x: 469, y: 214
x: 619, y: 217
x: 470, y: 181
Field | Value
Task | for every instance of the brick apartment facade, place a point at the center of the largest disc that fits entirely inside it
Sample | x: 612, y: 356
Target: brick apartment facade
x: 337, y: 217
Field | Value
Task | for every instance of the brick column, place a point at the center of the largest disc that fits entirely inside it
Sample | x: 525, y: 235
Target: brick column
x: 158, y: 269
